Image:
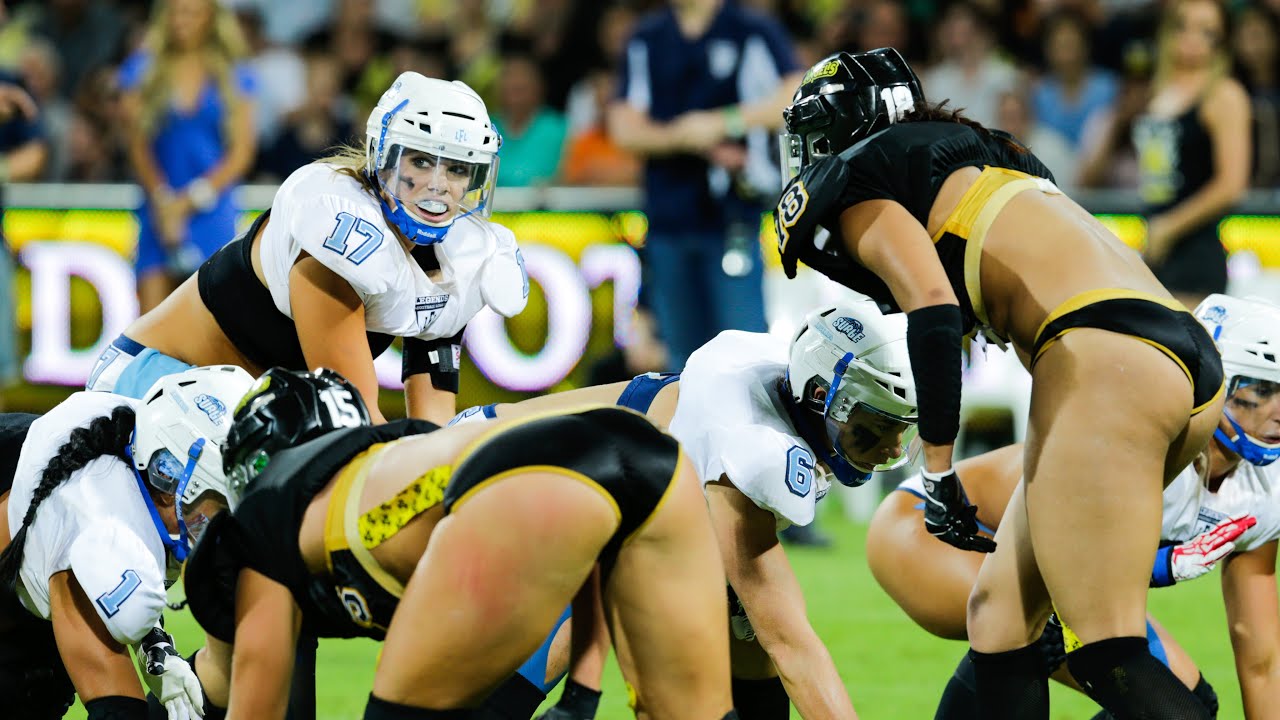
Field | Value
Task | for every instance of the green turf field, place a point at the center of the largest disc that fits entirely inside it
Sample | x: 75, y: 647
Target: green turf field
x: 892, y: 668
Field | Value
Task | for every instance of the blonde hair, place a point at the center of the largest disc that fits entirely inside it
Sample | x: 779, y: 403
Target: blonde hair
x: 350, y: 160
x: 224, y: 45
x: 1221, y: 62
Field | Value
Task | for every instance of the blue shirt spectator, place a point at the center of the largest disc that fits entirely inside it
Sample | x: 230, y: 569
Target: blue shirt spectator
x: 1072, y: 88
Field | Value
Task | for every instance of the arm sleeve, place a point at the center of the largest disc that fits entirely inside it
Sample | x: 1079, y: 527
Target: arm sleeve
x: 441, y: 358
x: 119, y: 575
x: 934, y: 337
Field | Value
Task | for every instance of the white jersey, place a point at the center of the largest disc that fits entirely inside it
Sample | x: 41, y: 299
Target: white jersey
x: 95, y: 524
x: 732, y: 422
x: 333, y: 219
x: 1190, y: 509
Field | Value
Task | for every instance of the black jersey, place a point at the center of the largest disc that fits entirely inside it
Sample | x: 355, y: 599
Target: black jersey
x: 262, y: 534
x: 906, y: 163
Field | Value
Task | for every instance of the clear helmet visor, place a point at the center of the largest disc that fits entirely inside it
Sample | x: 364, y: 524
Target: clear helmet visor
x: 441, y: 184
x: 165, y: 471
x: 1253, y: 411
x: 873, y: 440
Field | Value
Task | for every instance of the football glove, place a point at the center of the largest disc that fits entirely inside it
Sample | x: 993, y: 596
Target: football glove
x: 1197, y: 556
x: 170, y: 678
x: 948, y: 515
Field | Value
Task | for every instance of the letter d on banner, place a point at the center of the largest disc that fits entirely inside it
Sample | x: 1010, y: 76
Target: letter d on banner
x: 52, y: 264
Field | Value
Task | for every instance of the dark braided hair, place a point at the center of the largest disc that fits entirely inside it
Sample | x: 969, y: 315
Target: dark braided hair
x: 104, y: 436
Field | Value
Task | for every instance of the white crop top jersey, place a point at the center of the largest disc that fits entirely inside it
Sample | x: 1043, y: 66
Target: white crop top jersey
x: 1190, y: 509
x: 330, y: 216
x: 95, y: 524
x: 731, y: 421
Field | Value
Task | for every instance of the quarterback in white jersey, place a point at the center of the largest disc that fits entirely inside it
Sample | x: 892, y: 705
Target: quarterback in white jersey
x: 108, y: 495
x: 1224, y: 508
x: 768, y: 427
x: 389, y: 240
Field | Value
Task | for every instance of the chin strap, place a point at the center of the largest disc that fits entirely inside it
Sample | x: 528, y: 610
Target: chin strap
x: 419, y: 233
x: 180, y: 545
x: 1245, y: 447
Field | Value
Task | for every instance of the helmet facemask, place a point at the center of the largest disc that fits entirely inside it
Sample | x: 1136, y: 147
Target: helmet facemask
x: 869, y: 438
x: 434, y: 187
x: 1255, y: 402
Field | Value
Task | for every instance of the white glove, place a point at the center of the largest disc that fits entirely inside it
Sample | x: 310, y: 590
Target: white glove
x: 1197, y: 556
x: 170, y: 678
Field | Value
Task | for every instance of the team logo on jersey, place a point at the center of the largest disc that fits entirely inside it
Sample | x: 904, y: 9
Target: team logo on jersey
x: 428, y: 308
x: 1207, y: 519
x: 213, y: 407
x: 790, y: 207
x: 850, y: 328
x: 357, y: 606
x: 722, y: 58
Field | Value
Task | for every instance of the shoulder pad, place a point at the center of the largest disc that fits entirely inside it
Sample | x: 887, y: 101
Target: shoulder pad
x: 776, y: 471
x: 806, y: 204
x: 120, y: 576
x: 210, y: 577
x: 351, y: 238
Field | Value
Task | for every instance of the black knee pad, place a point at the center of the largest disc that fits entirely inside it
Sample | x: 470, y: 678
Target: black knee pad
x: 1205, y: 694
x: 960, y: 697
x: 1122, y: 676
x: 116, y: 707
x: 761, y: 699
x: 379, y: 709
x: 1011, y: 684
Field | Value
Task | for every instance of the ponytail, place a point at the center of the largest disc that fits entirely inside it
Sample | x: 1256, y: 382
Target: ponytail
x: 104, y: 436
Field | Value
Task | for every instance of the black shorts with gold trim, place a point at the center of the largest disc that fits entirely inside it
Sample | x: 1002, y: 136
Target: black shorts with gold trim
x: 618, y: 451
x: 1160, y: 322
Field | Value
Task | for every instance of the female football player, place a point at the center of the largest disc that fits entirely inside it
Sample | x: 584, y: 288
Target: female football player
x: 107, y: 496
x: 962, y: 228
x: 1207, y: 513
x: 387, y: 241
x: 767, y: 428
x: 459, y: 549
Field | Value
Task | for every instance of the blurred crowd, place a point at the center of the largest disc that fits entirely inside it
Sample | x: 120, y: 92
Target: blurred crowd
x: 1066, y: 76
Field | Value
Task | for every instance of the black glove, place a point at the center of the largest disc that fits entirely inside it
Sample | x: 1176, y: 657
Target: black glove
x: 577, y: 702
x: 948, y: 515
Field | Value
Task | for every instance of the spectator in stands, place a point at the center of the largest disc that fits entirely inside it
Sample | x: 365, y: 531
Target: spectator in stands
x: 325, y: 119
x: 97, y: 136
x: 582, y: 109
x: 533, y: 134
x: 591, y: 156
x: 1071, y: 88
x: 188, y: 103
x: 40, y: 68
x: 23, y: 152
x: 1108, y: 157
x: 1256, y: 42
x: 87, y: 34
x: 883, y: 23
x: 280, y: 74
x: 971, y: 74
x: 1194, y: 149
x: 1017, y: 116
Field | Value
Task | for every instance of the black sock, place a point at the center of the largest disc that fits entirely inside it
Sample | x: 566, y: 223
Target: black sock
x: 1012, y: 685
x: 579, y: 700
x: 960, y: 698
x: 761, y: 699
x: 514, y: 699
x: 1122, y: 675
x: 1205, y: 694
x: 379, y: 709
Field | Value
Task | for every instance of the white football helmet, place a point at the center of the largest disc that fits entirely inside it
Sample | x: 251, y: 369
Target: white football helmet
x: 1247, y: 331
x: 849, y: 364
x: 433, y: 149
x: 181, y: 426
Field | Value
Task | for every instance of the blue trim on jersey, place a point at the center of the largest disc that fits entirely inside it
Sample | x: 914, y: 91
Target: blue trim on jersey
x: 535, y: 668
x: 638, y: 395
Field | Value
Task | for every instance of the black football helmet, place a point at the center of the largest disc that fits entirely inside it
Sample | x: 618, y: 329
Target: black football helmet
x: 843, y: 99
x: 284, y: 409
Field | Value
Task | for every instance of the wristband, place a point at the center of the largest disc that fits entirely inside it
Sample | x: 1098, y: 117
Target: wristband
x: 1162, y: 571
